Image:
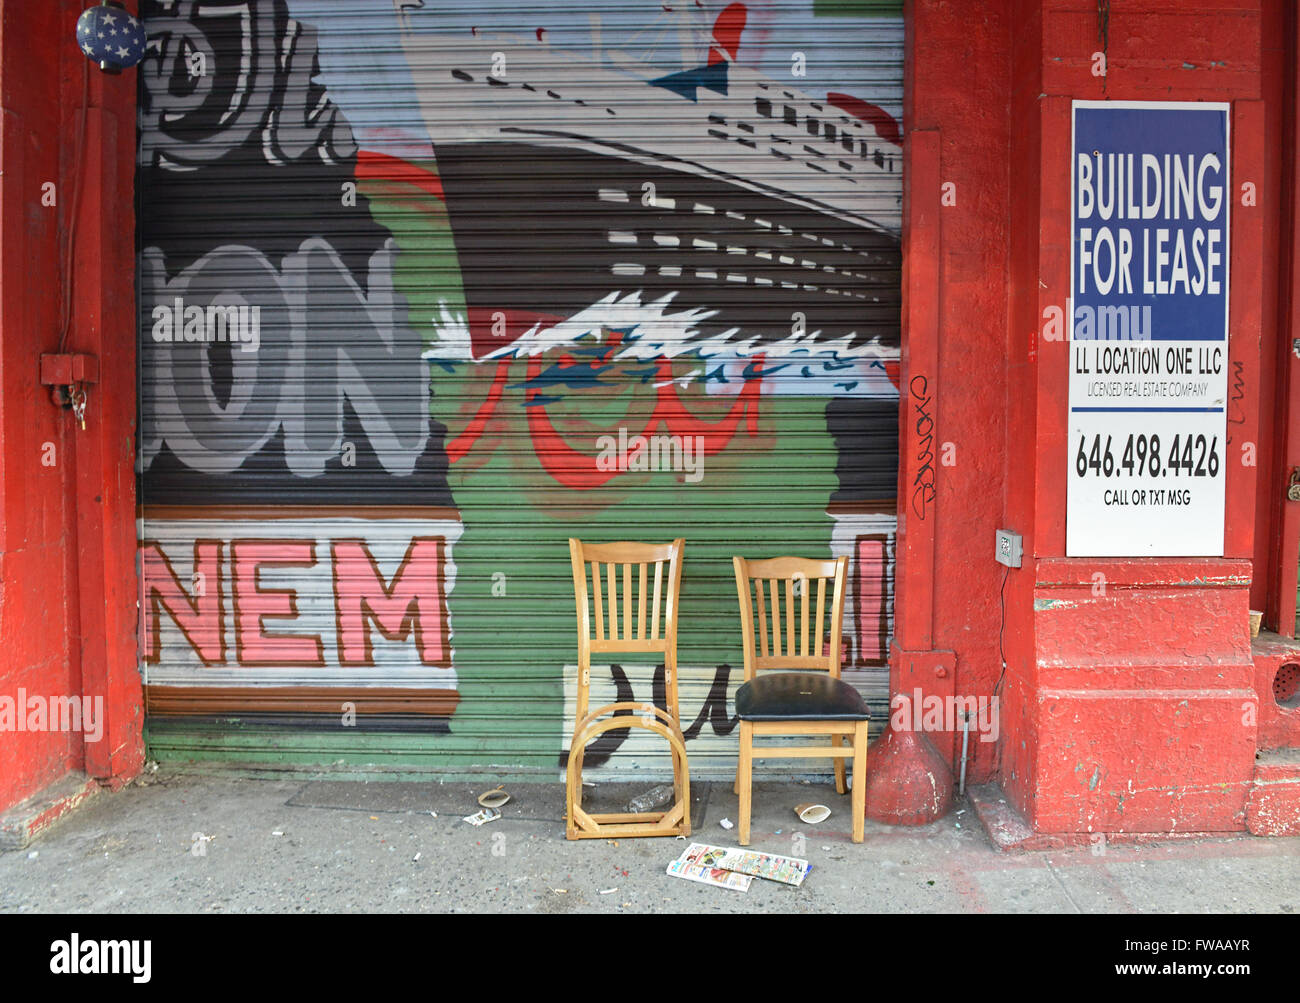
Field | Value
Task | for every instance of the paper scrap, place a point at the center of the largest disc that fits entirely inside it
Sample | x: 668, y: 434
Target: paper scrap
x: 695, y: 864
x: 749, y: 863
x: 482, y: 816
x: 771, y: 866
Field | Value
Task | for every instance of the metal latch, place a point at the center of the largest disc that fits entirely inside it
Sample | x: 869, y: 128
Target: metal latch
x: 1293, y: 489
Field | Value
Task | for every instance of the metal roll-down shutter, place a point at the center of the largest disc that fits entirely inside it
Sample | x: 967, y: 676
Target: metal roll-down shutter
x: 426, y: 291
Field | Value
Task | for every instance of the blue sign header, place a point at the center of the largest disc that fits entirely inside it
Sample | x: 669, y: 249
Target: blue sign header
x: 1151, y: 198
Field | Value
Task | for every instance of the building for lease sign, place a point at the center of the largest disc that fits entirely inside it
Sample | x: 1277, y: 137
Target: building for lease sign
x: 1148, y: 329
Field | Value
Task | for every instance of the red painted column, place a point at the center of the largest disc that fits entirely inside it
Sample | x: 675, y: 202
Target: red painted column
x: 1284, y: 544
x: 34, y: 456
x: 1025, y: 351
x: 104, y: 492
x: 1124, y: 686
x: 1133, y: 686
x: 956, y: 234
x: 918, y: 465
x: 909, y: 781
x: 67, y: 496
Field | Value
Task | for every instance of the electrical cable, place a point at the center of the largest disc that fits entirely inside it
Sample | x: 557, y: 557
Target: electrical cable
x: 1103, y: 37
x: 71, y: 241
x: 1002, y: 626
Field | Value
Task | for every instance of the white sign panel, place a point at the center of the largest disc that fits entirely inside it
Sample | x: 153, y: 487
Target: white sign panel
x: 1148, y: 322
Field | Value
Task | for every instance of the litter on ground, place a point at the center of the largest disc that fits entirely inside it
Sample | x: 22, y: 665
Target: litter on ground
x: 483, y: 816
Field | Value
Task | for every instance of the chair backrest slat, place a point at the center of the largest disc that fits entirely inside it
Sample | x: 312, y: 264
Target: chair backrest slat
x: 821, y: 605
x: 789, y: 617
x: 654, y: 612
x: 627, y: 602
x: 804, y: 598
x: 600, y: 606
x: 797, y: 641
x: 776, y: 616
x: 640, y: 610
x: 613, y: 601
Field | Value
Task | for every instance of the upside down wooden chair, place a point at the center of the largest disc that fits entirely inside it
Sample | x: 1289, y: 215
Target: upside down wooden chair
x: 628, y: 634
x: 804, y: 702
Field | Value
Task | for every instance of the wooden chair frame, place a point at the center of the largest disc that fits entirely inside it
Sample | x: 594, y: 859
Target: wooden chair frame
x: 801, y: 650
x: 658, y: 635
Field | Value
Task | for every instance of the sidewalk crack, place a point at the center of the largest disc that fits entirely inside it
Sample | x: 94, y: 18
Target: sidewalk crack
x: 1065, y: 891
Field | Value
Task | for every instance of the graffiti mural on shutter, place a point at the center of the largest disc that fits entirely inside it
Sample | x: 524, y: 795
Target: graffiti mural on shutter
x: 424, y: 292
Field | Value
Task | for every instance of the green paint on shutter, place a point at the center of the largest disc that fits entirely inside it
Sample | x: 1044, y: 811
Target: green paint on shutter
x: 857, y: 8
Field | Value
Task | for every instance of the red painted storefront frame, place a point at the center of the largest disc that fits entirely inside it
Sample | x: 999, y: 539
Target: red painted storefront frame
x: 67, y: 495
x: 988, y: 90
x: 1279, y: 550
x: 1132, y: 710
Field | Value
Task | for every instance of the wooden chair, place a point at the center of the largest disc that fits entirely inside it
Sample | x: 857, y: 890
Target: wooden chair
x: 657, y: 634
x: 797, y: 703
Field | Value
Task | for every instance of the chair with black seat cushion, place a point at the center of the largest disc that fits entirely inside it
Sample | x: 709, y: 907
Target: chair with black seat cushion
x: 811, y: 701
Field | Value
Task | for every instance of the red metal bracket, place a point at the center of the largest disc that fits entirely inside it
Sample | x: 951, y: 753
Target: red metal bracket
x: 65, y: 370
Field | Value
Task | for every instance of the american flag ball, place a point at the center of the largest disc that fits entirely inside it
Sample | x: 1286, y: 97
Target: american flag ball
x: 111, y: 35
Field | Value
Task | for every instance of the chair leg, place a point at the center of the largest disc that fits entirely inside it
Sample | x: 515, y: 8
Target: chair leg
x: 572, y: 779
x: 576, y: 794
x: 840, y: 785
x: 744, y: 778
x: 859, y: 781
x: 682, y: 787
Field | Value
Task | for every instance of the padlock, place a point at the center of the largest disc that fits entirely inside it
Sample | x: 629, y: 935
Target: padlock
x: 78, y: 397
x: 1293, y: 489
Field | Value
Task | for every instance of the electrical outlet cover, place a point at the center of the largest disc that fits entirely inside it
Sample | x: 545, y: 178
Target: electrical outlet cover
x: 1008, y: 548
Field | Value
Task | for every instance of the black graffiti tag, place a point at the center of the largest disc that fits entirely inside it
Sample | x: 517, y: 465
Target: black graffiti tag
x: 924, y: 479
x: 606, y: 744
x: 713, y: 711
x: 1236, y: 410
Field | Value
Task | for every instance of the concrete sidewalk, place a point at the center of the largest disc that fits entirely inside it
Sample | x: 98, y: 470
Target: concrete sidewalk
x: 219, y: 842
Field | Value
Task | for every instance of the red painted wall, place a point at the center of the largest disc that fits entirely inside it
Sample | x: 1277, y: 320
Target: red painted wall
x: 1276, y: 24
x: 1123, y: 708
x: 67, y: 496
x: 958, y: 77
x: 1120, y: 710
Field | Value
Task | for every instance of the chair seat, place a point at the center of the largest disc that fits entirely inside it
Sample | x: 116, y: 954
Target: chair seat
x: 799, y: 696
